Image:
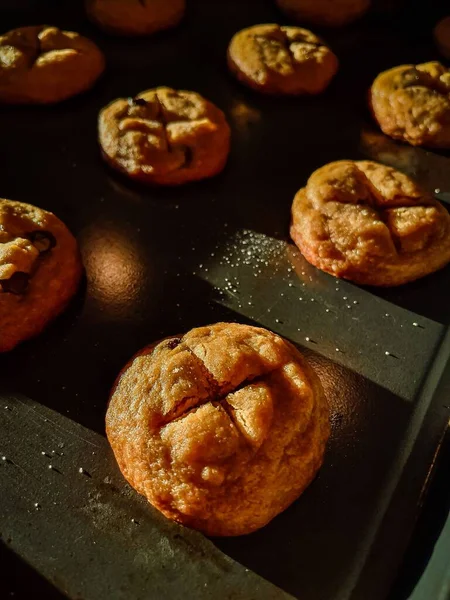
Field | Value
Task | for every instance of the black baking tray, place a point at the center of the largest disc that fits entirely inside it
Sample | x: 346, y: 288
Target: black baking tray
x: 160, y: 261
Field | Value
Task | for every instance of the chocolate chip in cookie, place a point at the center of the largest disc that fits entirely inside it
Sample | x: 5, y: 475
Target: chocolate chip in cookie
x: 40, y: 269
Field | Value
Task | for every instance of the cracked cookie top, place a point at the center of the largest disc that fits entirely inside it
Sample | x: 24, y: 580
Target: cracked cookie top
x: 281, y: 60
x: 164, y: 136
x: 220, y: 428
x: 39, y: 270
x: 135, y: 17
x: 412, y: 103
x: 41, y: 64
x: 370, y: 223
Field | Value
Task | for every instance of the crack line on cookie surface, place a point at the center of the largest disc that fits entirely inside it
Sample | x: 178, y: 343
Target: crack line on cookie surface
x: 162, y: 116
x: 263, y: 42
x: 216, y: 398
x: 381, y: 211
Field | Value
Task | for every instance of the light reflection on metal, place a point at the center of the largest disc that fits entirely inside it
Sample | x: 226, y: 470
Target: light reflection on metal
x: 267, y: 281
x: 115, y: 270
x: 243, y: 116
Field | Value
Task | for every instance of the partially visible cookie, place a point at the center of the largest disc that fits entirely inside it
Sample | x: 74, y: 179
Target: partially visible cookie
x: 281, y: 60
x: 220, y: 429
x: 40, y: 269
x: 44, y: 65
x: 442, y: 36
x: 330, y: 13
x: 412, y: 103
x: 135, y: 17
x: 164, y: 136
x: 370, y: 223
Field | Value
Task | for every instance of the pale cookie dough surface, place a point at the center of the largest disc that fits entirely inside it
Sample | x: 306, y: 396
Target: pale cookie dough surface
x: 330, y: 13
x: 40, y: 269
x: 164, y: 136
x: 370, y: 223
x: 135, y: 17
x: 412, y: 103
x: 45, y: 65
x: 221, y: 429
x: 281, y: 60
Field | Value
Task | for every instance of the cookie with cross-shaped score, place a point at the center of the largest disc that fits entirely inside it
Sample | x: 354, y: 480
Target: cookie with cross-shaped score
x: 45, y: 65
x: 412, y: 103
x: 221, y: 429
x: 370, y: 223
x: 40, y: 269
x: 135, y: 17
x: 328, y: 13
x: 281, y: 60
x: 164, y: 136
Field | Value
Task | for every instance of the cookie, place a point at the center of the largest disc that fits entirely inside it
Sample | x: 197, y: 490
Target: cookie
x: 330, y: 13
x: 412, y: 103
x: 44, y: 65
x: 135, y: 17
x: 220, y: 429
x: 370, y: 223
x: 281, y: 60
x: 164, y: 137
x: 442, y: 36
x: 40, y: 269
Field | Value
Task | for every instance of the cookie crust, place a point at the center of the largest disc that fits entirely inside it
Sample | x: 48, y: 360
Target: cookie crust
x: 281, y: 60
x: 40, y: 269
x: 412, y: 103
x: 329, y: 13
x: 45, y: 65
x: 221, y: 429
x: 442, y: 36
x: 370, y: 223
x: 135, y: 17
x: 164, y: 137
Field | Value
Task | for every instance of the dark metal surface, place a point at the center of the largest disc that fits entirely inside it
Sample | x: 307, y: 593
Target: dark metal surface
x: 162, y: 261
x: 88, y: 528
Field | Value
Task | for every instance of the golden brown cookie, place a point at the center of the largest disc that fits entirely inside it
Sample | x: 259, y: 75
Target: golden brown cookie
x: 412, y: 103
x: 330, y: 13
x: 221, y: 429
x: 281, y: 60
x: 40, y: 269
x: 44, y: 65
x: 164, y: 136
x: 370, y: 223
x: 442, y: 36
x: 135, y: 17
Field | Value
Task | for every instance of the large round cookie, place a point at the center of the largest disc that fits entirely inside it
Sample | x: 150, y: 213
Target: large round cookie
x: 44, y: 65
x: 164, y: 136
x: 412, y: 103
x: 281, y: 60
x: 40, y: 269
x: 331, y: 13
x: 221, y: 429
x: 370, y: 223
x: 135, y: 17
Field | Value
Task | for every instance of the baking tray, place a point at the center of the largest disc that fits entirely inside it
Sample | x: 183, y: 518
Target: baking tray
x: 160, y: 261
